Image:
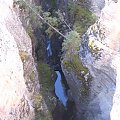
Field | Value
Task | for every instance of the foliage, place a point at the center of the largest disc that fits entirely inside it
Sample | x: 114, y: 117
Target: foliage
x: 34, y: 11
x: 51, y: 19
x: 81, y: 17
x: 71, y: 59
x: 59, y: 16
x: 46, y: 80
x: 34, y: 19
x: 74, y: 63
x: 47, y: 77
x: 78, y: 27
x: 72, y: 42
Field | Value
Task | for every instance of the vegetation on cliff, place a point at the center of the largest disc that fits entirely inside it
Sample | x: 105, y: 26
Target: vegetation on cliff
x: 81, y: 18
x: 49, y: 22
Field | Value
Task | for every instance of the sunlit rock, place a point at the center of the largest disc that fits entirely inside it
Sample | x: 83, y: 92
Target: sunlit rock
x: 18, y: 75
x: 100, y: 51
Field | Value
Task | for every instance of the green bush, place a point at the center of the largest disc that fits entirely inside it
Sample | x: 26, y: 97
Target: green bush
x: 81, y: 17
x: 72, y: 42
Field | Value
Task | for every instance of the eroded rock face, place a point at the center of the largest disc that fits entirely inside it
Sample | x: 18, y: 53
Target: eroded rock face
x: 100, y: 52
x: 18, y: 76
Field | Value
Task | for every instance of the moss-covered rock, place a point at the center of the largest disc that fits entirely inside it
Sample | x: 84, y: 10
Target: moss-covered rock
x: 74, y: 63
x: 46, y: 76
x: 46, y: 80
x: 43, y: 117
x: 81, y: 17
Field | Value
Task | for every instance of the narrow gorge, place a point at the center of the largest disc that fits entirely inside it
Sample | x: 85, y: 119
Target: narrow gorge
x: 59, y: 59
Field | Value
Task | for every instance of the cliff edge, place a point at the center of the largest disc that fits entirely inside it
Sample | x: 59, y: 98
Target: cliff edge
x: 18, y: 76
x: 100, y: 53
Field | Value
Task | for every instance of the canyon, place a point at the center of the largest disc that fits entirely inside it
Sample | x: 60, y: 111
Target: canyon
x: 36, y: 62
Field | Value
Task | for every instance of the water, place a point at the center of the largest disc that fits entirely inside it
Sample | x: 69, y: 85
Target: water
x: 60, y: 90
x: 49, y: 50
x: 65, y: 108
x: 59, y: 87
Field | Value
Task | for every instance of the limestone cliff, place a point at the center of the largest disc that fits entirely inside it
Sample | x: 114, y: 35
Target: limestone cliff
x: 18, y: 76
x: 100, y: 53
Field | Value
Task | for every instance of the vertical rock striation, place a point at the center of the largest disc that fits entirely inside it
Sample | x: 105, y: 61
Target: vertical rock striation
x: 18, y: 75
x: 100, y: 53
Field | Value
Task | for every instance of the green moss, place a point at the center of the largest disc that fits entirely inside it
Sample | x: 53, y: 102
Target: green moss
x: 41, y: 116
x: 81, y: 17
x: 74, y: 63
x: 46, y: 79
x: 46, y: 76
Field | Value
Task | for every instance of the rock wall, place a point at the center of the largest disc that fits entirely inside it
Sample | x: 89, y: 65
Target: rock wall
x: 76, y: 93
x: 100, y: 51
x: 19, y: 79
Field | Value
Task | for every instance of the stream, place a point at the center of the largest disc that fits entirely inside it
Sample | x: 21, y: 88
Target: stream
x: 60, y: 90
x: 64, y: 108
x: 49, y: 49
